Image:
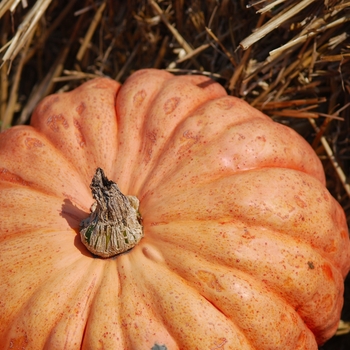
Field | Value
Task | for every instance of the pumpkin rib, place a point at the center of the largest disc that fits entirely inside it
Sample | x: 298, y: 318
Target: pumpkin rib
x: 131, y: 108
x: 27, y: 316
x: 193, y: 156
x: 82, y: 126
x: 33, y: 160
x: 69, y: 331
x: 59, y: 213
x: 139, y: 321
x: 103, y: 303
x: 248, y: 196
x: 269, y: 232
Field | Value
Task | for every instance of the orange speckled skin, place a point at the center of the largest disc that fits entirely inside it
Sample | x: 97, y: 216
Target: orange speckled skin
x: 244, y: 247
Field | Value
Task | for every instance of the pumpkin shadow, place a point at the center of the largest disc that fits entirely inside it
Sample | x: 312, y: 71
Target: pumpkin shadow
x: 73, y: 215
x: 204, y: 84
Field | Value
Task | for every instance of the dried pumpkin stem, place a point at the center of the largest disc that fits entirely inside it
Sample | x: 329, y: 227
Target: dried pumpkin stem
x: 114, y: 225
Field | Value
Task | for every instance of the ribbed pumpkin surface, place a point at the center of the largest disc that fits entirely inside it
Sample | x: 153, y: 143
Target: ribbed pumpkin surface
x: 243, y: 247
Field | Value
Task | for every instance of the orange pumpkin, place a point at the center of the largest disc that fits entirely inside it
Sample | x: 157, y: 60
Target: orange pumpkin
x: 243, y: 247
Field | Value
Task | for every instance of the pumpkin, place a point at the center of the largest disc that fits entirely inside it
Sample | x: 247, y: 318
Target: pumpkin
x: 240, y: 246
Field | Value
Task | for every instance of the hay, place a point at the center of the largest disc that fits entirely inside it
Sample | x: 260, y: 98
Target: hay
x: 288, y: 58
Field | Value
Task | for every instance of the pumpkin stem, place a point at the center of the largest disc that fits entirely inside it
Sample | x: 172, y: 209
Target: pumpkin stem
x: 114, y: 225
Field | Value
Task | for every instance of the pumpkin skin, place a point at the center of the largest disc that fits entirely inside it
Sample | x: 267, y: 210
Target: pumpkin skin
x: 243, y: 247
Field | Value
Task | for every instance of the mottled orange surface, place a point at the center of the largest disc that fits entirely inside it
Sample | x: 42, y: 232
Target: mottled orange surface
x: 244, y: 247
